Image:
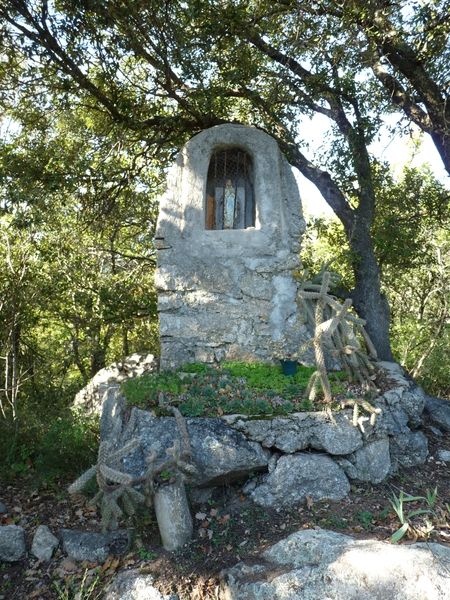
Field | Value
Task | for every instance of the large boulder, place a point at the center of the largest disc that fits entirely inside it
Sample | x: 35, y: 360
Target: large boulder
x: 314, y: 564
x: 89, y: 399
x: 408, y: 449
x: 402, y: 404
x: 297, y: 476
x: 220, y: 453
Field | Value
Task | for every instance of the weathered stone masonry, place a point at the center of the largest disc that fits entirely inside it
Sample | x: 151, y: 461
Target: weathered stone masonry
x: 227, y: 293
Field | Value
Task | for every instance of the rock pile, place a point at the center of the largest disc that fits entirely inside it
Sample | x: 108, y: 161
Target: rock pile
x: 90, y: 397
x: 305, y: 454
x: 77, y: 545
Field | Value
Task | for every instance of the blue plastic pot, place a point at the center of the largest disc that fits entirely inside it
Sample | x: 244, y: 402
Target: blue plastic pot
x: 289, y: 367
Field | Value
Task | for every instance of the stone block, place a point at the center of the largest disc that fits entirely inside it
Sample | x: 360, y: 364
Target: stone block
x: 408, y: 449
x: 220, y: 454
x: 44, y: 543
x: 12, y: 543
x: 371, y: 463
x: 94, y: 547
x: 297, y: 476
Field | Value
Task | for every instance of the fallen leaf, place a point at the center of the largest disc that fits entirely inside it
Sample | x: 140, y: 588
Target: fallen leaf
x: 68, y: 565
x: 114, y: 564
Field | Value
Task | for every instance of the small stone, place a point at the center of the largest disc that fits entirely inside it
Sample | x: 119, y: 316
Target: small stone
x: 12, y: 543
x: 3, y: 508
x: 435, y: 431
x: 173, y: 515
x: 94, y: 547
x: 44, y: 543
x: 443, y: 455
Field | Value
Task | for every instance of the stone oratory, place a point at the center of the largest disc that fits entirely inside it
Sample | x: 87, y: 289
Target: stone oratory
x: 228, y: 239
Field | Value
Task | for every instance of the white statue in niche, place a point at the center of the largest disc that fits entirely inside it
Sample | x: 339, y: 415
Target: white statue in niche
x: 229, y: 205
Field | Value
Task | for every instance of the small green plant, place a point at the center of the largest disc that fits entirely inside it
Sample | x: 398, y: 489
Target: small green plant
x: 431, y: 497
x: 366, y: 518
x: 147, y: 554
x: 166, y: 475
x: 405, y: 517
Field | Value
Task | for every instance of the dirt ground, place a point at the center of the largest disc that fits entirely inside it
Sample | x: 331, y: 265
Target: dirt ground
x: 228, y: 528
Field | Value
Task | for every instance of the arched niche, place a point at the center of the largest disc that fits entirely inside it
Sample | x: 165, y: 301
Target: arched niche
x: 230, y: 198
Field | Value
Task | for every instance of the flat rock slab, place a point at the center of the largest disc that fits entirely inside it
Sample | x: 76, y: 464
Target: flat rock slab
x: 220, y: 454
x: 314, y: 564
x: 94, y: 547
x: 297, y: 476
x: 133, y: 585
x: 12, y: 543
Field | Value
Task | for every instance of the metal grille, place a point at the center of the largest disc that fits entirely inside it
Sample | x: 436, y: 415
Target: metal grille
x: 229, y: 190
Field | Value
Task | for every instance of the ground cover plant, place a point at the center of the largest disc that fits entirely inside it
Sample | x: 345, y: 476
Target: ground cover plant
x: 231, y: 387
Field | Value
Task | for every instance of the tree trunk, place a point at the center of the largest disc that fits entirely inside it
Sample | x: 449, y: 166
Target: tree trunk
x: 442, y: 144
x: 368, y: 300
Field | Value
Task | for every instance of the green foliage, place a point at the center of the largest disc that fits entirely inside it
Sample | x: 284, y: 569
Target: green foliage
x: 143, y: 390
x: 261, y: 376
x: 408, y: 518
x: 366, y: 518
x: 47, y: 444
x: 69, y: 445
x: 147, y: 554
x: 413, y: 248
x: 233, y: 387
